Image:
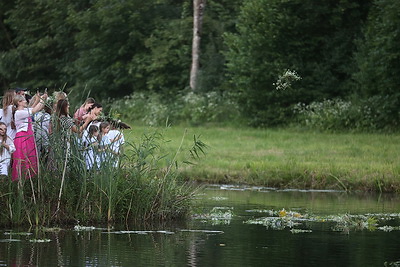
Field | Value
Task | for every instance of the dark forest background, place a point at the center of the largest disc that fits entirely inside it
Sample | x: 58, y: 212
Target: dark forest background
x: 347, y: 53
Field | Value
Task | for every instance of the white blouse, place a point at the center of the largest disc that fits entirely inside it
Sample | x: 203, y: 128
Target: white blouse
x: 22, y: 119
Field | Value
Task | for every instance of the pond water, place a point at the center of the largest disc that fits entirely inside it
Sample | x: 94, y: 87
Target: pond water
x: 231, y: 226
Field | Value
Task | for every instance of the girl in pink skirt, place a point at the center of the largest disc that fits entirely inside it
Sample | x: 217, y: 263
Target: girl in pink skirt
x: 25, y: 161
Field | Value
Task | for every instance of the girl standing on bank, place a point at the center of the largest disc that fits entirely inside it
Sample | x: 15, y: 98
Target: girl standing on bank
x: 25, y: 161
x: 82, y: 113
x: 7, y: 112
x: 6, y: 149
x: 104, y: 155
x: 90, y: 144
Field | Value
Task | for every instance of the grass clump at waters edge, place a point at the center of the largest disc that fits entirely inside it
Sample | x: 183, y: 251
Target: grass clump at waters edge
x: 144, y: 188
x: 287, y: 158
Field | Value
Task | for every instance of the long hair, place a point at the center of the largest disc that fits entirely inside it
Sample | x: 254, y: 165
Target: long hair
x: 8, y: 99
x: 61, y: 110
x: 3, y: 139
x: 92, y: 129
x: 103, y: 125
x: 90, y: 100
x: 16, y: 100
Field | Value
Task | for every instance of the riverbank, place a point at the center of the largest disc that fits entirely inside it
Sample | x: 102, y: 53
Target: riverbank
x: 286, y: 158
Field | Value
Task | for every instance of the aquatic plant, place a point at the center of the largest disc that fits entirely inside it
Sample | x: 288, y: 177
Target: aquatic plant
x: 144, y: 187
x: 217, y: 215
x: 282, y: 219
x: 40, y: 240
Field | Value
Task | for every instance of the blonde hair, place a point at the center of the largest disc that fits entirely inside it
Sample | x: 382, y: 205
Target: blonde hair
x: 59, y: 95
x: 8, y: 99
x: 17, y: 98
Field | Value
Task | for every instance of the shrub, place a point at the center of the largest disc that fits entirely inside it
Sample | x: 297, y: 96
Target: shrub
x: 377, y: 113
x: 187, y: 107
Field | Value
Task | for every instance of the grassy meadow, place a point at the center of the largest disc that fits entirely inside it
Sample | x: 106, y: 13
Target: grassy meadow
x: 288, y: 158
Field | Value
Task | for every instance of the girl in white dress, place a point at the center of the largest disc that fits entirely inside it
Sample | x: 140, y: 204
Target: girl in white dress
x: 6, y: 149
x: 6, y: 113
x: 104, y: 155
x: 90, y: 144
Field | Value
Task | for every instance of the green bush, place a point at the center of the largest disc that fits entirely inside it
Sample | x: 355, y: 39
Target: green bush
x: 187, y: 107
x: 377, y: 114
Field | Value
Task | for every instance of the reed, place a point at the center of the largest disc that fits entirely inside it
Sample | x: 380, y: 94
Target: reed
x: 143, y: 187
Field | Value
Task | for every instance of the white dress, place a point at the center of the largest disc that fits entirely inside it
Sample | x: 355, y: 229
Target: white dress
x: 5, y: 157
x: 7, y: 118
x: 89, y: 144
x: 105, y: 155
x: 116, y: 146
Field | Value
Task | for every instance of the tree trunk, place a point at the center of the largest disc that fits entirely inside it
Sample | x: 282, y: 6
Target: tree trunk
x: 198, y: 10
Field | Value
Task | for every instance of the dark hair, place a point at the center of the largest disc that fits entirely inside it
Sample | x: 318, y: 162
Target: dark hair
x: 92, y: 129
x: 61, y: 108
x: 95, y: 105
x: 103, y: 125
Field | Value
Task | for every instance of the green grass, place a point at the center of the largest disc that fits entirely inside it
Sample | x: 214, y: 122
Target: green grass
x: 290, y: 158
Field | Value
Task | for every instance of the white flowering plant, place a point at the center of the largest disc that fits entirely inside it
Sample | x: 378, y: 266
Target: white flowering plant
x: 285, y: 80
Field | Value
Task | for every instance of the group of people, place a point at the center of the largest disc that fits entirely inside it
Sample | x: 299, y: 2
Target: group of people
x: 26, y: 129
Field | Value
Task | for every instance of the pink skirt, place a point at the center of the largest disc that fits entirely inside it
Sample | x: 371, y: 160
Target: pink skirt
x: 25, y: 161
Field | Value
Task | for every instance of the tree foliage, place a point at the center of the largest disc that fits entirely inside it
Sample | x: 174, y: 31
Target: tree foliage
x: 340, y: 48
x: 378, y: 56
x: 315, y: 38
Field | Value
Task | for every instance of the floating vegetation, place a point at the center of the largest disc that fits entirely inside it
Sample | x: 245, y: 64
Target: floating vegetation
x: 51, y: 229
x: 203, y: 231
x: 217, y: 216
x: 219, y: 198
x: 84, y: 228
x: 347, y: 222
x: 10, y: 240
x: 18, y: 233
x: 39, y: 240
x: 297, y: 231
x: 283, y: 219
x: 387, y: 228
x: 269, y: 212
x: 145, y: 232
x: 274, y: 223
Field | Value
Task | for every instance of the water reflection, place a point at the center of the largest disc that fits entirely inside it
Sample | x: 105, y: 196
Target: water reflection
x: 218, y: 235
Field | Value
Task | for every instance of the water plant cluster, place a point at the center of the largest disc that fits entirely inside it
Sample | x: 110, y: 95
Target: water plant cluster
x: 217, y: 216
x: 305, y: 222
x: 144, y: 187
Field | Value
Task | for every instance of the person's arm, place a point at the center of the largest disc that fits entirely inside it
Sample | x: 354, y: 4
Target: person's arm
x: 9, y: 145
x: 119, y: 136
x: 36, y: 107
x: 82, y: 128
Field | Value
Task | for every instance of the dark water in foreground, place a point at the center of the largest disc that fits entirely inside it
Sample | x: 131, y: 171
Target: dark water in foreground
x: 233, y: 226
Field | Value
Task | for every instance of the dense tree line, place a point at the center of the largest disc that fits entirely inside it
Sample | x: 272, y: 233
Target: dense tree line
x: 345, y: 49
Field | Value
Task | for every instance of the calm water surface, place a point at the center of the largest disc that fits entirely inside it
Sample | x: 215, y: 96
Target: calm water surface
x: 223, y: 233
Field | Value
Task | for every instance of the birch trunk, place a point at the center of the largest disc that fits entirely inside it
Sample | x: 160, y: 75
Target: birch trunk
x: 198, y: 9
